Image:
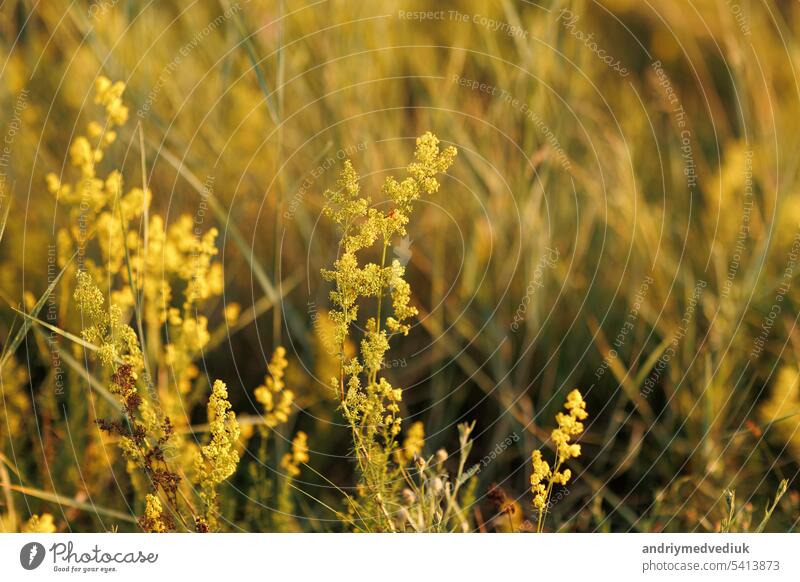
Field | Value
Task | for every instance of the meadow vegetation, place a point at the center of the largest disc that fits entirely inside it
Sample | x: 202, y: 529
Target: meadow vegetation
x: 281, y: 266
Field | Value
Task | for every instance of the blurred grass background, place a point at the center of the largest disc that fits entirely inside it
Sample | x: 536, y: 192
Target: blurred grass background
x: 263, y: 100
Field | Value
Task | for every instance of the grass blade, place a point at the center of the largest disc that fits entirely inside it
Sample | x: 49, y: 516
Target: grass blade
x: 65, y: 334
x: 74, y: 503
x: 4, y: 220
x: 249, y: 47
x: 94, y: 383
x: 222, y: 216
x: 9, y: 349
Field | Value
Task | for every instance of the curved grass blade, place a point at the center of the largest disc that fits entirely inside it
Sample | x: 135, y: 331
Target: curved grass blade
x: 70, y: 336
x: 222, y: 216
x: 9, y: 349
x: 5, y: 219
x: 94, y: 383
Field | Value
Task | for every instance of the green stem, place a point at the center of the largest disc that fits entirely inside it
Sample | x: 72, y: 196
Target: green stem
x: 374, y: 373
x: 543, y: 513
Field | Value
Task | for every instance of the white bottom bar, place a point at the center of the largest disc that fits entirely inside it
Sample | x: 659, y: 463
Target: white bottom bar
x: 389, y: 558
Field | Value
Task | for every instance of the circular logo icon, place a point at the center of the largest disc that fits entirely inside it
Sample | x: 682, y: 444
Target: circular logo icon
x: 31, y: 555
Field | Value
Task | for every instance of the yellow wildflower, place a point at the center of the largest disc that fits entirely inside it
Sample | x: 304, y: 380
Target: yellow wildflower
x: 412, y: 444
x: 291, y: 461
x: 569, y: 425
x: 543, y: 478
x: 232, y: 311
x: 539, y: 476
x: 153, y: 520
x: 217, y: 461
x: 369, y: 403
x: 117, y: 341
x: 39, y: 524
x: 109, y: 95
x: 273, y: 395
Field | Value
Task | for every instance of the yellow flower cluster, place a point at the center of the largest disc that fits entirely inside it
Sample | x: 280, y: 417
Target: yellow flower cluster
x: 153, y: 519
x: 412, y: 444
x: 569, y: 426
x: 109, y: 95
x: 291, y: 461
x: 95, y: 200
x: 117, y: 342
x: 401, y: 298
x: 143, y: 260
x: 175, y: 256
x: 273, y: 394
x: 39, y: 524
x: 146, y: 433
x: 217, y: 461
x: 362, y: 226
x: 542, y: 476
x: 377, y: 406
x: 190, y: 258
x: 189, y: 336
x: 176, y: 253
x: 539, y: 476
x: 370, y: 404
x: 232, y: 312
